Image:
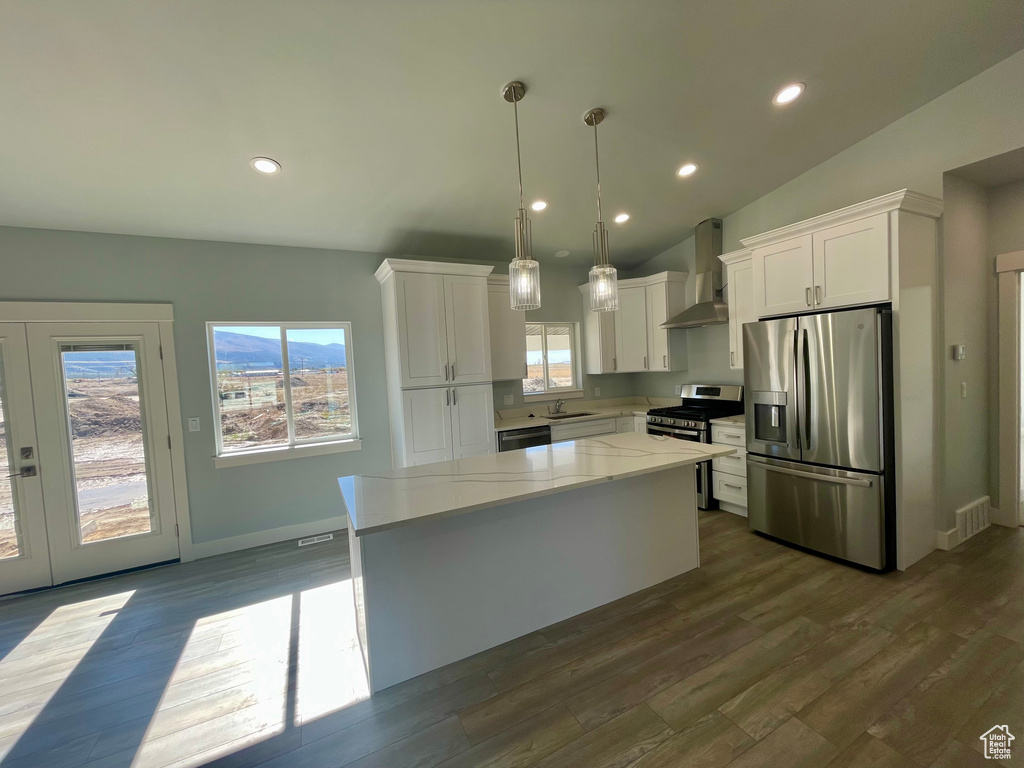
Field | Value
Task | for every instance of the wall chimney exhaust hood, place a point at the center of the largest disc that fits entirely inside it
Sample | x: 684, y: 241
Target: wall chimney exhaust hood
x: 709, y: 308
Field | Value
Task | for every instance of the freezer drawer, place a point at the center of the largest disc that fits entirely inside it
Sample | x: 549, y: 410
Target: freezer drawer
x: 832, y: 511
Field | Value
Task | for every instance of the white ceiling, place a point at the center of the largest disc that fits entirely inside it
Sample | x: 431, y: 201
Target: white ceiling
x: 141, y: 117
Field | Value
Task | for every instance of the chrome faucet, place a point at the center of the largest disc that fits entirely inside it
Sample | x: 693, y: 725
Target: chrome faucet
x: 559, y: 404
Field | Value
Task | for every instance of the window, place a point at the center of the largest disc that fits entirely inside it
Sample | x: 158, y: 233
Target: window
x: 551, y: 359
x: 282, y: 386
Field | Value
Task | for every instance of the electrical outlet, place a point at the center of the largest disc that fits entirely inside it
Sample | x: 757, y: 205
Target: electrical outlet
x: 510, y: 399
x: 679, y: 389
x: 193, y: 424
x: 597, y: 391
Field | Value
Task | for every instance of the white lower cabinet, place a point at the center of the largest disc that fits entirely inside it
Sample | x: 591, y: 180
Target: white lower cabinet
x: 445, y: 423
x: 624, y: 424
x: 729, y: 473
x: 640, y: 424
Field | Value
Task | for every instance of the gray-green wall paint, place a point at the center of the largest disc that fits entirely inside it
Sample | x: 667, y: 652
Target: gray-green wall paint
x: 225, y: 282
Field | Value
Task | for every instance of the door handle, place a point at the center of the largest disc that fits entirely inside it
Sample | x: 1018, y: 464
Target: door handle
x: 857, y: 481
x: 526, y: 370
x: 447, y: 402
x: 446, y: 371
x: 29, y: 471
x: 805, y: 355
x: 453, y: 371
x: 817, y: 294
x: 615, y: 364
x: 807, y: 295
x: 730, y: 485
x: 732, y: 358
x: 645, y: 362
x: 664, y: 361
x: 454, y: 398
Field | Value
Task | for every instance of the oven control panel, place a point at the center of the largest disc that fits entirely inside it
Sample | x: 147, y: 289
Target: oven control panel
x: 670, y: 422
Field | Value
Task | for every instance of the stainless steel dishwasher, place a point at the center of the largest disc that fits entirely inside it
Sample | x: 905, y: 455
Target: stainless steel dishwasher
x: 514, y: 439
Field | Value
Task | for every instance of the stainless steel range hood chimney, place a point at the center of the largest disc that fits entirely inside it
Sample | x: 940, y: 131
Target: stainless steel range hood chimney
x: 709, y: 308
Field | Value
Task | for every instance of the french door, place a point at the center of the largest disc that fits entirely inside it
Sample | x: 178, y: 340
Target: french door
x: 86, y: 485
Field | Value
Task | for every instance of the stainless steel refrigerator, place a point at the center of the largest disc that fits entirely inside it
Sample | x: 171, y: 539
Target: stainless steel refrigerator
x: 820, y: 469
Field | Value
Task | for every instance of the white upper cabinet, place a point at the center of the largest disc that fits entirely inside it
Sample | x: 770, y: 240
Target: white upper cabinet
x: 739, y: 281
x: 423, y: 334
x: 599, y: 353
x: 631, y: 339
x: 438, y: 323
x: 846, y: 258
x: 783, y: 277
x: 508, y: 332
x: 851, y: 263
x: 631, y: 328
x: 472, y: 421
x: 468, y: 322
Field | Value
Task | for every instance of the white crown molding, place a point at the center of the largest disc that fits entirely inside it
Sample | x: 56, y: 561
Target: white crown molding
x: 497, y: 279
x: 83, y: 312
x: 390, y: 266
x: 734, y: 257
x: 903, y: 200
x: 655, y: 279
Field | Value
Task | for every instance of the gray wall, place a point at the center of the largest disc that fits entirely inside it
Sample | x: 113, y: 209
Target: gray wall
x: 969, y: 288
x: 208, y: 281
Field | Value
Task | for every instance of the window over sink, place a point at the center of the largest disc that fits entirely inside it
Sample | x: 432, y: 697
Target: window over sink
x: 552, y: 361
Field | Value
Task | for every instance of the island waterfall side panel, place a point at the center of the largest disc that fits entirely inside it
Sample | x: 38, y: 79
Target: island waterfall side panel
x: 452, y: 587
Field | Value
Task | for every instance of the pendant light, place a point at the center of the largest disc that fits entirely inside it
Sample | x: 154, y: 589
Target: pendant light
x: 604, y: 284
x: 523, y: 271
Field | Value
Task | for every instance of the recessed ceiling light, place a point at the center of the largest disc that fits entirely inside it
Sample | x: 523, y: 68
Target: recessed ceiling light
x: 788, y: 94
x: 265, y: 165
x: 687, y: 170
x: 539, y: 205
x: 622, y: 218
x: 561, y: 254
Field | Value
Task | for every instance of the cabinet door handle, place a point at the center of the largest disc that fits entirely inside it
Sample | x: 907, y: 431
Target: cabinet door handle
x: 526, y: 370
x: 734, y: 437
x: 645, y: 362
x: 453, y: 371
x: 730, y: 485
x: 446, y: 372
x: 615, y: 364
x: 664, y: 361
x: 446, y: 400
x: 817, y: 294
x: 732, y: 358
x: 455, y: 398
x: 807, y: 295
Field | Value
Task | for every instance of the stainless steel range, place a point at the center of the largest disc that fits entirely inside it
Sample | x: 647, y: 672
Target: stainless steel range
x: 691, y: 420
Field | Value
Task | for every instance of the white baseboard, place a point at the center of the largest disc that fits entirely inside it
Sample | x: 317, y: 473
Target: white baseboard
x: 272, y: 536
x: 1004, y: 518
x: 970, y: 520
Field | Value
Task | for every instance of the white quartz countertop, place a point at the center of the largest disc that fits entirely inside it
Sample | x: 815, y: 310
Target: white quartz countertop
x: 593, y: 414
x: 418, y: 494
x: 732, y: 421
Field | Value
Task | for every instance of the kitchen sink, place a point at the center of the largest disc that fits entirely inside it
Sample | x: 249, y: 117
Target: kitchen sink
x: 559, y: 416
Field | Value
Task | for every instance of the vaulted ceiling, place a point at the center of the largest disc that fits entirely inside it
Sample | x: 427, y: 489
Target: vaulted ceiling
x: 140, y: 117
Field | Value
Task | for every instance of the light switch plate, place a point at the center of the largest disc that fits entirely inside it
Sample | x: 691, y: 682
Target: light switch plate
x: 679, y: 389
x: 597, y: 391
x: 959, y: 352
x: 510, y: 399
x: 193, y: 424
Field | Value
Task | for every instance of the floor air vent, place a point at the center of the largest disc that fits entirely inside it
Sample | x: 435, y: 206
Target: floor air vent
x: 315, y: 539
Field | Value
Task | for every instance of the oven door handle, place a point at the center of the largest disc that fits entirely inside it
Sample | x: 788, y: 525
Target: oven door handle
x: 657, y: 429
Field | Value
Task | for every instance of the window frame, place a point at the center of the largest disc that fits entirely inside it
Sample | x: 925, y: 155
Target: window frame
x: 557, y: 393
x: 295, y: 447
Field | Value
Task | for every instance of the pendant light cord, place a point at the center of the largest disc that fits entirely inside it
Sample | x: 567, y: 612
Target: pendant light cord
x: 597, y: 162
x: 519, y: 156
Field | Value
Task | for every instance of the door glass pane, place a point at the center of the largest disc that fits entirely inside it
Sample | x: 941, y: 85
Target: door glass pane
x: 108, y: 451
x: 9, y: 546
x: 250, y: 386
x: 319, y: 383
x: 560, y: 346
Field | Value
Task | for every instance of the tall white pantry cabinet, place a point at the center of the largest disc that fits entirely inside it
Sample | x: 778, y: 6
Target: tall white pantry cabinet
x: 437, y: 353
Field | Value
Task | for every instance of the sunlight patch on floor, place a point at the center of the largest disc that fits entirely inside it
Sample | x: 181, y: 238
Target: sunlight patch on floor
x: 39, y: 665
x: 230, y: 687
x: 331, y: 674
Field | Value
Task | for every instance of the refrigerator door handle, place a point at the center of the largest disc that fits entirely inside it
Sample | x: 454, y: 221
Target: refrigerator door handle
x: 860, y: 482
x: 804, y: 371
x: 798, y: 381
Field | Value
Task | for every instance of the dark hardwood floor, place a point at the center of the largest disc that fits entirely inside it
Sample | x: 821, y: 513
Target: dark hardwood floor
x: 765, y: 656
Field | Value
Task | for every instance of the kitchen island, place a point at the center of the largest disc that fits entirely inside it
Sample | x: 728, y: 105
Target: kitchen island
x: 452, y: 558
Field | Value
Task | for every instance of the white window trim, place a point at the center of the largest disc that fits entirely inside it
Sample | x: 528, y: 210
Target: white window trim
x: 294, y: 448
x: 567, y: 393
